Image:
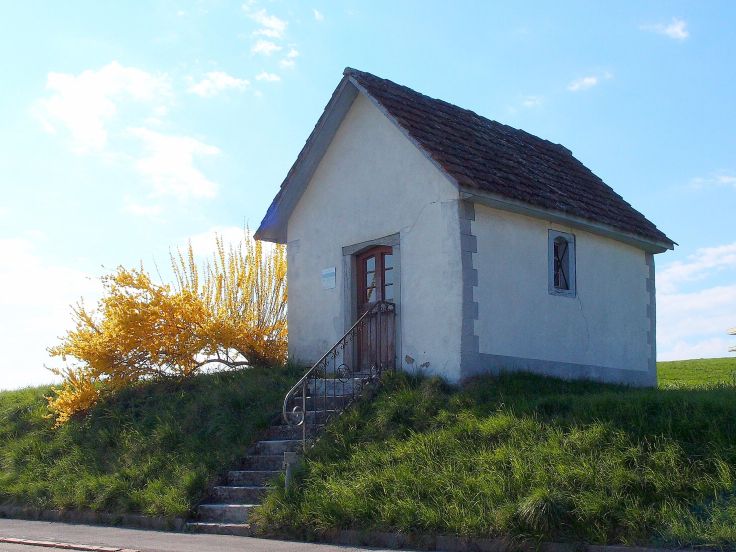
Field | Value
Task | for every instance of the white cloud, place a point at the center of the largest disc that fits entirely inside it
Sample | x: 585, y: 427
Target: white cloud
x: 84, y: 104
x: 203, y: 243
x: 532, y: 101
x: 290, y: 59
x: 265, y: 47
x: 140, y: 209
x: 715, y: 347
x: 318, y: 15
x: 693, y: 324
x: 169, y: 164
x: 268, y: 77
x: 676, y: 29
x: 215, y: 82
x: 696, y: 321
x: 718, y: 179
x: 584, y: 83
x: 89, y: 106
x: 271, y: 26
x: 36, y: 311
x: 703, y: 263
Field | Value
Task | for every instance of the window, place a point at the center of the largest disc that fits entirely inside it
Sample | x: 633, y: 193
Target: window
x: 375, y: 276
x: 561, y: 263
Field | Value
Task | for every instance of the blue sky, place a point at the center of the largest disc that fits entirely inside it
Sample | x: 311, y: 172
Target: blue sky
x: 130, y: 127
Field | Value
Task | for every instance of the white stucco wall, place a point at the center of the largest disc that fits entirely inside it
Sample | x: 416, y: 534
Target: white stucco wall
x: 604, y: 325
x: 373, y: 182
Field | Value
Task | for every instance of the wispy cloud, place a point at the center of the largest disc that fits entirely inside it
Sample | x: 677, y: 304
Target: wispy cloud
x: 693, y: 323
x: 139, y: 209
x: 532, y: 101
x: 267, y: 77
x: 215, y: 82
x: 675, y: 29
x: 265, y: 47
x: 168, y: 164
x: 721, y: 179
x: 289, y: 61
x: 91, y: 107
x: 318, y: 15
x: 698, y: 266
x: 204, y: 244
x: 271, y: 26
x: 268, y: 38
x: 589, y: 81
x: 86, y: 103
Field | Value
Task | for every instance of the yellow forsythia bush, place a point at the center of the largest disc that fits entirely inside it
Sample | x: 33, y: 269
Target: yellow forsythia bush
x: 230, y: 311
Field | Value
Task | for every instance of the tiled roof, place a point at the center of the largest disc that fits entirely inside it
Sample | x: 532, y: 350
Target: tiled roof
x: 490, y: 157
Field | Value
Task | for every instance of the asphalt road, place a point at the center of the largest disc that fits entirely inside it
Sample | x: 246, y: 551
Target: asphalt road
x: 144, y: 541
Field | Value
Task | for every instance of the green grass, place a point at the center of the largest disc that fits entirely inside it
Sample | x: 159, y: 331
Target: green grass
x: 528, y: 457
x: 152, y: 449
x: 520, y: 455
x: 699, y: 372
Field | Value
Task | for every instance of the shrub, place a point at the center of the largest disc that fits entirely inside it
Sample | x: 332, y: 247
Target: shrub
x: 230, y: 312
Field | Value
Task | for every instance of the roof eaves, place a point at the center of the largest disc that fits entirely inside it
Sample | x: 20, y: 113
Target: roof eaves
x: 506, y: 204
x: 273, y: 225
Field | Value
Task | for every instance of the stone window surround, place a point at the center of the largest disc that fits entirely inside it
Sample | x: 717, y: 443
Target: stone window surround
x: 552, y: 235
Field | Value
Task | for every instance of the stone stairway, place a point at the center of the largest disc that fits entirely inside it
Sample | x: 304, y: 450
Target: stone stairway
x: 226, y: 510
x: 330, y: 385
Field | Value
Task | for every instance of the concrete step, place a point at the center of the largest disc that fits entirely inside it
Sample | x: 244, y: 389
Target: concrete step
x: 320, y: 417
x: 224, y: 513
x: 251, y: 478
x: 238, y: 529
x: 293, y: 432
x: 278, y: 446
x: 335, y: 386
x: 263, y: 462
x: 230, y: 494
x: 322, y: 402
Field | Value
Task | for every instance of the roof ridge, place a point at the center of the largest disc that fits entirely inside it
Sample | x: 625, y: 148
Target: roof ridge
x: 350, y: 71
x: 482, y: 156
x: 488, y: 155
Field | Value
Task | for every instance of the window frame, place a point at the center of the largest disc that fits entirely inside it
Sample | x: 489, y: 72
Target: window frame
x: 379, y: 254
x: 553, y: 235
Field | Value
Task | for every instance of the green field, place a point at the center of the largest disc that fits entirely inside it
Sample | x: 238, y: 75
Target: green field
x: 529, y: 457
x: 698, y: 372
x: 152, y: 449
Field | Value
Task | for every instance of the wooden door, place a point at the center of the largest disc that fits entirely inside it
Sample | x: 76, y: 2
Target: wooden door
x: 375, y: 282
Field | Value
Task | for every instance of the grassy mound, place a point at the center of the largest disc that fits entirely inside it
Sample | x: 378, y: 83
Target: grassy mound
x: 697, y: 373
x: 525, y: 456
x: 152, y: 449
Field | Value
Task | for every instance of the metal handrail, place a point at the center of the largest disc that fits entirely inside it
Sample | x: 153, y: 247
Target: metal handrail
x: 380, y: 349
